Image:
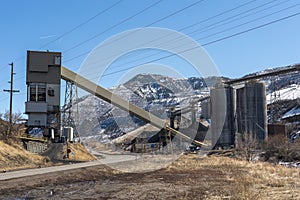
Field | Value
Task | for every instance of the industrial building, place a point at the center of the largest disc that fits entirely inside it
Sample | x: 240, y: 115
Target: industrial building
x: 43, y: 74
x: 231, y: 110
x: 235, y: 111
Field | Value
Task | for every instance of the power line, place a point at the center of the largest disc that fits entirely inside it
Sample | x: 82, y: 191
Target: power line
x: 218, y: 15
x: 259, y: 18
x: 209, y: 43
x: 252, y: 29
x: 21, y: 77
x: 175, y: 13
x: 225, y: 11
x: 205, y: 28
x: 152, y: 23
x: 11, y: 92
x: 159, y: 20
x: 18, y: 59
x: 183, y: 28
x: 239, y: 25
x: 113, y: 26
x: 210, y: 18
x: 225, y: 29
x: 211, y: 26
x: 76, y: 27
x: 181, y: 37
x: 83, y: 23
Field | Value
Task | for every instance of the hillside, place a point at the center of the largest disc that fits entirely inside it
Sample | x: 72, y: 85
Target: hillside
x: 13, y: 156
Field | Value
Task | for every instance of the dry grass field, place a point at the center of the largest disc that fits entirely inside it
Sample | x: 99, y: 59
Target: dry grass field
x: 190, y: 177
x: 13, y: 156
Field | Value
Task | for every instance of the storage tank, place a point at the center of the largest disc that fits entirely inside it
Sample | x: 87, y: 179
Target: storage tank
x: 223, y: 125
x: 252, y: 110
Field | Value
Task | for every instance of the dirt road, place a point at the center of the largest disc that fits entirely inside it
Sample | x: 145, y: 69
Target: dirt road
x: 106, y: 159
x: 190, y: 177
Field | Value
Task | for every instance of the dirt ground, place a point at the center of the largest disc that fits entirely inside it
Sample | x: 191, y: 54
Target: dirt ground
x: 190, y: 177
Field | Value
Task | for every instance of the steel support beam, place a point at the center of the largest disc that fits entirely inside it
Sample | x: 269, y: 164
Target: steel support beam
x: 109, y: 97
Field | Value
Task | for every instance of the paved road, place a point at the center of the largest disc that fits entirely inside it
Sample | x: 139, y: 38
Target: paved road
x: 107, y: 159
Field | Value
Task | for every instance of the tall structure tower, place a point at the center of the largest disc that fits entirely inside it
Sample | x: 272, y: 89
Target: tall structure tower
x: 222, y: 112
x: 43, y: 74
x: 251, y: 110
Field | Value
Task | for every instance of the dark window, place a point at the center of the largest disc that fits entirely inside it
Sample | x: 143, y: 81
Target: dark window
x: 37, y: 92
x: 51, y: 92
x: 32, y: 93
x: 41, y: 92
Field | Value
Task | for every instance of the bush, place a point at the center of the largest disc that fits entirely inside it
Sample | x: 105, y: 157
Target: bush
x: 278, y: 148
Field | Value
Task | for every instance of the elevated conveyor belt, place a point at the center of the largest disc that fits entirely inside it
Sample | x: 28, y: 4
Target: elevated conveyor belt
x: 109, y: 97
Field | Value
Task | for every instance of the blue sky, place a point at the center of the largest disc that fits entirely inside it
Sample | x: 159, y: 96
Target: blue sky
x: 47, y: 25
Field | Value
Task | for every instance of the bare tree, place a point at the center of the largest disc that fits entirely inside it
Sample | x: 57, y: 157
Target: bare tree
x: 246, y: 145
x: 17, y: 125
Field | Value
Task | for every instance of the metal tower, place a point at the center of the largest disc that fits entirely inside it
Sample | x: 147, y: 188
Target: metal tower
x: 70, y: 113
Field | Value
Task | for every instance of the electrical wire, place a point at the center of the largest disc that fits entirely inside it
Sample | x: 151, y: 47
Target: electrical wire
x: 218, y: 15
x: 172, y: 14
x: 181, y: 37
x: 177, y: 39
x: 189, y: 26
x: 159, y: 20
x: 113, y: 26
x: 76, y: 27
x: 152, y: 61
x: 209, y: 43
x: 248, y: 22
x: 83, y: 23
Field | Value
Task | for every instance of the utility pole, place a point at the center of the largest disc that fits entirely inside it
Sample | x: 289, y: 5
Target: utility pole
x: 11, y: 91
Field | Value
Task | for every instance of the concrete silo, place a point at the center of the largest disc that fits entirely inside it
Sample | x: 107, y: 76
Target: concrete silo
x: 251, y: 110
x: 223, y: 125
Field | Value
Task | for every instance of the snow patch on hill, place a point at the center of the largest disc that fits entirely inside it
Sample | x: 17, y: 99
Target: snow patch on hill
x: 288, y: 93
